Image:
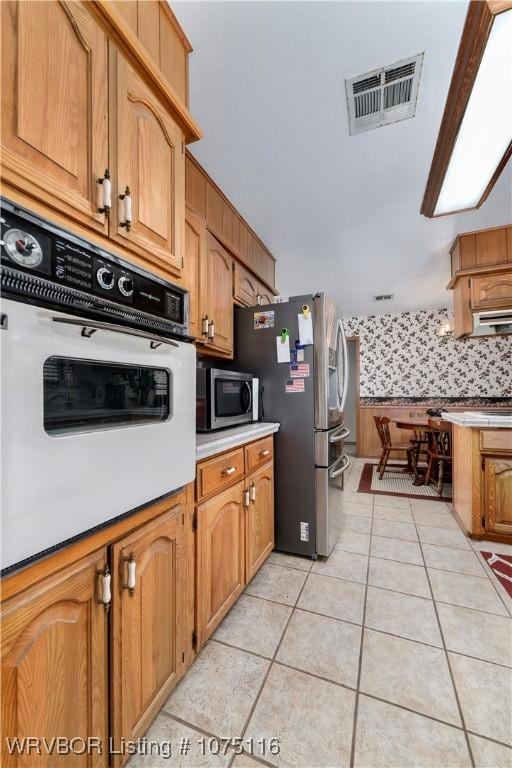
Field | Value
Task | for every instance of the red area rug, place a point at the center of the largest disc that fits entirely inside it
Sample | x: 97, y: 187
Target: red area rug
x: 502, y: 568
x: 396, y: 482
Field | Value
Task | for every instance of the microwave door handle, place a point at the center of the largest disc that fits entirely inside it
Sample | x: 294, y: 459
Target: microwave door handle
x: 249, y: 392
x: 91, y: 326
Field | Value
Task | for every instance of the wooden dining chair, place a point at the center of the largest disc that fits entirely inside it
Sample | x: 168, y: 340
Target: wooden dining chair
x: 439, y: 450
x: 382, y: 424
x: 420, y: 442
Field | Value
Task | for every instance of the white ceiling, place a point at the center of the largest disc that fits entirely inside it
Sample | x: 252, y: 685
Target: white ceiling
x: 340, y: 212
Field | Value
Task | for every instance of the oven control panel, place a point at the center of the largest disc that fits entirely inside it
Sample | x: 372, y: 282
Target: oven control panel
x: 47, y: 265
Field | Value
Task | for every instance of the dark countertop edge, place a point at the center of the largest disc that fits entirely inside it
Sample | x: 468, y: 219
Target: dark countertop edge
x: 10, y: 569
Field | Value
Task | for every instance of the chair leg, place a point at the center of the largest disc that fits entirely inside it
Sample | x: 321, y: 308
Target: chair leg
x: 379, y: 465
x: 384, y: 463
x: 440, y: 478
x: 429, y: 470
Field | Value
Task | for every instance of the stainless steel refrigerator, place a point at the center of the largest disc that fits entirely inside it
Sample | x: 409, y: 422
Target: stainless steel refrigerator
x: 306, y: 395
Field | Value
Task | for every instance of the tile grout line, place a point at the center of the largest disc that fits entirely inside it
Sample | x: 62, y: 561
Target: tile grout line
x: 271, y: 664
x: 457, y: 699
x: 360, y: 661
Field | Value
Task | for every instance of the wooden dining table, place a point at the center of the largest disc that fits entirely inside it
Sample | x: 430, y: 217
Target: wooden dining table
x: 420, y: 424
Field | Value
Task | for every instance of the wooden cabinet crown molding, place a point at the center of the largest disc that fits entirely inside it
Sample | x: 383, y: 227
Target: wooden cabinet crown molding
x: 127, y: 41
x: 477, y: 28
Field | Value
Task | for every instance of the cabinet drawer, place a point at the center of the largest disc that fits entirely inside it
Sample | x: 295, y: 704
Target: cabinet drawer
x: 259, y: 453
x: 219, y: 472
x: 496, y: 440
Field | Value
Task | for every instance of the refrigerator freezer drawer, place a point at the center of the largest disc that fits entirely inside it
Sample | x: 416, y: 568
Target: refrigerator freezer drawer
x: 329, y: 499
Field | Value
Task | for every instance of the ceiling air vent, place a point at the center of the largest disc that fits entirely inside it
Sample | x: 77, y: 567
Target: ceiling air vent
x: 384, y: 96
x: 383, y: 297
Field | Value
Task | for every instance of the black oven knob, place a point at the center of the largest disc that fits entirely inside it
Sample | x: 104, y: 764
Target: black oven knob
x: 125, y: 285
x: 105, y: 278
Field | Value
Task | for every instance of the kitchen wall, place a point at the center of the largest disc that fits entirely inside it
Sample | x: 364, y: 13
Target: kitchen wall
x: 403, y: 356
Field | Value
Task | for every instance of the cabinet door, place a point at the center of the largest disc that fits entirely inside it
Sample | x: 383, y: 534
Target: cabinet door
x: 245, y: 286
x: 265, y: 296
x: 193, y: 268
x: 150, y: 164
x: 54, y: 105
x: 54, y: 664
x: 498, y: 494
x: 221, y: 553
x: 259, y: 536
x: 148, y: 640
x: 219, y: 301
x: 491, y: 292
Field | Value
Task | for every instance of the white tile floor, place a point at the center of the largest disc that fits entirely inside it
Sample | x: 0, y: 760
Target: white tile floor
x: 396, y: 651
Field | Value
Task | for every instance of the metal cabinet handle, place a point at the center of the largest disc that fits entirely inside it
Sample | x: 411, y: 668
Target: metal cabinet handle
x: 246, y: 498
x: 105, y: 586
x: 105, y: 193
x: 131, y: 574
x: 252, y: 492
x: 336, y: 438
x: 345, y: 465
x: 211, y: 330
x: 265, y: 452
x: 228, y: 471
x: 126, y: 201
x: 204, y: 326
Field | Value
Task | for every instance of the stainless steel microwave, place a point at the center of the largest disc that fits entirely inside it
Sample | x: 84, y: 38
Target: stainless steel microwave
x: 225, y: 399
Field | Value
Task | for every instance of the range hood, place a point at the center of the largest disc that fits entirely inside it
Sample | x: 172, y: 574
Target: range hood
x: 492, y: 322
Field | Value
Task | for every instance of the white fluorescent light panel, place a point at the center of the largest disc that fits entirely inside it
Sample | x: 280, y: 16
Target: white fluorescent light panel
x: 486, y: 129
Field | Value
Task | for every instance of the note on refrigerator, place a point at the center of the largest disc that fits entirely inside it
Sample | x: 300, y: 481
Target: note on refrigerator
x: 283, y: 349
x: 305, y: 329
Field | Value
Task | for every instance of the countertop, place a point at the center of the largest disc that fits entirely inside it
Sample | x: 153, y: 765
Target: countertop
x: 478, y: 419
x: 210, y: 443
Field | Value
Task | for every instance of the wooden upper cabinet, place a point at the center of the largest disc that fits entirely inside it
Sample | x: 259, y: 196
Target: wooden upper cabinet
x: 54, y: 663
x: 148, y: 638
x: 492, y: 291
x: 498, y: 494
x: 486, y: 248
x: 219, y: 298
x: 195, y: 188
x: 54, y: 105
x: 193, y: 267
x: 214, y: 206
x: 259, y: 531
x: 150, y: 163
x: 265, y: 295
x: 245, y: 286
x: 221, y: 554
x: 129, y: 11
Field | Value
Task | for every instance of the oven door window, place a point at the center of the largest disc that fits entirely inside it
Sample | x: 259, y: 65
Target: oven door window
x: 86, y: 395
x: 232, y: 397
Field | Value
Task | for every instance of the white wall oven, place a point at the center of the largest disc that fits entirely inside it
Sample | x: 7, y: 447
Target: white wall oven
x: 98, y: 382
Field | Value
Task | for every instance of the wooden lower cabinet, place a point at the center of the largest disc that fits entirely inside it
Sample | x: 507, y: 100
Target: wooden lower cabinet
x: 498, y: 493
x: 54, y: 664
x: 220, y: 557
x: 259, y: 529
x: 148, y: 621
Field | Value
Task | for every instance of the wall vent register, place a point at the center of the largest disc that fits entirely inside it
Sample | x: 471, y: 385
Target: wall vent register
x: 383, y: 96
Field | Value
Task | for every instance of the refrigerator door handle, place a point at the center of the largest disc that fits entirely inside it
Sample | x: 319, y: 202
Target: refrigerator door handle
x: 342, y: 390
x: 339, y: 436
x: 335, y: 471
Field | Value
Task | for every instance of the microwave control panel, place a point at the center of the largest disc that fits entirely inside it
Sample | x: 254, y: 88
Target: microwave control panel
x: 66, y: 269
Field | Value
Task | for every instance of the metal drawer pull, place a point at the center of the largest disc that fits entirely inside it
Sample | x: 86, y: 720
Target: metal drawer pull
x: 91, y: 326
x: 131, y: 573
x: 252, y: 492
x: 106, y: 194
x: 228, y: 471
x: 265, y: 452
x: 345, y: 465
x: 126, y: 201
x: 106, y: 591
x: 336, y: 438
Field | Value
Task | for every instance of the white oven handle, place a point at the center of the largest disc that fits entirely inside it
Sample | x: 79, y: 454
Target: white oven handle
x: 91, y: 326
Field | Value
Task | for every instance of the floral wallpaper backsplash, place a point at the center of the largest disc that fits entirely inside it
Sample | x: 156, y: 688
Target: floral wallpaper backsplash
x: 402, y: 355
